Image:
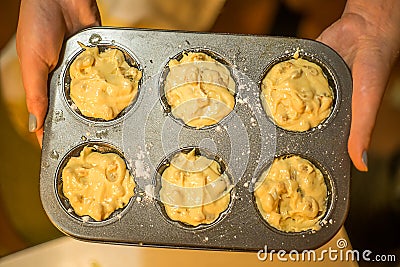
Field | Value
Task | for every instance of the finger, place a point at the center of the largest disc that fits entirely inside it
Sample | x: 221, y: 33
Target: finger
x: 39, y: 136
x: 35, y: 84
x: 38, y: 54
x: 80, y: 15
x: 369, y: 82
x: 35, y: 73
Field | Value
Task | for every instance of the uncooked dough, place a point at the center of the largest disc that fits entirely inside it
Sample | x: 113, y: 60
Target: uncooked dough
x: 194, y: 191
x: 296, y: 94
x: 97, y: 184
x: 103, y: 84
x: 199, y: 89
x: 291, y: 195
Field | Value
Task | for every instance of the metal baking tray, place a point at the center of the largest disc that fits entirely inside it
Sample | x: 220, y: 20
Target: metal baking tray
x: 146, y: 135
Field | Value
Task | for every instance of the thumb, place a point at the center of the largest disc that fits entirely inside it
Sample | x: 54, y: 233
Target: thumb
x: 35, y: 71
x: 370, y: 75
x: 38, y: 54
x: 35, y: 84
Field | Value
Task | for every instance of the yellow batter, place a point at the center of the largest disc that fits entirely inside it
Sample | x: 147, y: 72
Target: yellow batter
x: 292, y: 195
x: 193, y: 189
x: 103, y: 84
x: 297, y: 95
x: 97, y: 184
x: 199, y: 89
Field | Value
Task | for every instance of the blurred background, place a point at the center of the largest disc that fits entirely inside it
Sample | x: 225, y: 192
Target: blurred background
x: 374, y: 218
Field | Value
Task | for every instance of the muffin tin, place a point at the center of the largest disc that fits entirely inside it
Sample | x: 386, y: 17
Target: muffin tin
x: 146, y: 135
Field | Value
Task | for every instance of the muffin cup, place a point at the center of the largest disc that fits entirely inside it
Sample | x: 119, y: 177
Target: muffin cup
x: 327, y: 71
x: 100, y: 147
x: 166, y: 70
x: 331, y: 193
x: 66, y: 80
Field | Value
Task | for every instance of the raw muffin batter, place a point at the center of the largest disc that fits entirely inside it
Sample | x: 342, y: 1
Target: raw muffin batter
x: 199, y: 89
x: 193, y: 189
x: 102, y: 84
x: 292, y: 194
x: 296, y: 94
x: 97, y: 184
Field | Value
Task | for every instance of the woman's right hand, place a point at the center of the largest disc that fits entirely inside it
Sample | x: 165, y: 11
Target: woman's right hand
x: 42, y: 27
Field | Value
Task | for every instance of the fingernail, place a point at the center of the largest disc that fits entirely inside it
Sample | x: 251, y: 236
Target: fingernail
x: 32, y: 123
x: 365, y: 158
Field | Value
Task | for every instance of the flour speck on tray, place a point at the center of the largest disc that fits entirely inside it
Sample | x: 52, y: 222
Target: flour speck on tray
x: 142, y: 170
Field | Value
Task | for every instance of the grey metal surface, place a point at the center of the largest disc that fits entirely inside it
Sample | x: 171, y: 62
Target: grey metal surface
x: 246, y: 140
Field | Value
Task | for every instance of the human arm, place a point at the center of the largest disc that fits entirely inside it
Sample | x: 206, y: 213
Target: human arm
x: 367, y: 36
x: 42, y: 27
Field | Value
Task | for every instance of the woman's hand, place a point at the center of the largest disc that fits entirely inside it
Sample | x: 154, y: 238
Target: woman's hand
x: 367, y: 36
x: 42, y: 27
